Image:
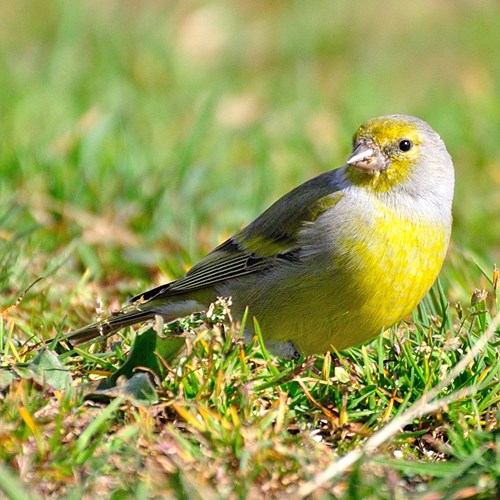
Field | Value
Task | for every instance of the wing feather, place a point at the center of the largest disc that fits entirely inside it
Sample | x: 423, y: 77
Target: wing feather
x: 270, y: 239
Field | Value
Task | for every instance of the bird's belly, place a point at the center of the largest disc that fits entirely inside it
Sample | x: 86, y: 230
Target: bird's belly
x: 376, y: 279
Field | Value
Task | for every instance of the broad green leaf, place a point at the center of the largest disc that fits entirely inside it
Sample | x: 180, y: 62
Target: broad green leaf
x: 149, y: 351
x: 46, y: 368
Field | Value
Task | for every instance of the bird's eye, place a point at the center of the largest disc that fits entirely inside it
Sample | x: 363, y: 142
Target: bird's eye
x: 405, y: 145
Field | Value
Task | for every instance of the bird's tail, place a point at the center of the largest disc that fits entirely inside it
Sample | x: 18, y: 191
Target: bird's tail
x: 105, y: 327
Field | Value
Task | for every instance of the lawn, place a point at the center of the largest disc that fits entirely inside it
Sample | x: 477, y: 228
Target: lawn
x: 136, y: 136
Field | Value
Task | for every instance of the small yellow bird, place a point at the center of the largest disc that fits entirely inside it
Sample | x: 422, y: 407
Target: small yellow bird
x: 336, y: 260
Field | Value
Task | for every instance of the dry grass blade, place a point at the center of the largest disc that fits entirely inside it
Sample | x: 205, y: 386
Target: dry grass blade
x: 422, y: 407
x: 7, y: 310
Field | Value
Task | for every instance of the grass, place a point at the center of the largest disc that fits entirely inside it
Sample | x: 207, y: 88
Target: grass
x: 128, y: 133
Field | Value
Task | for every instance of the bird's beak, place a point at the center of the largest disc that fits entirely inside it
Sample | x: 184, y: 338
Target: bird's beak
x: 367, y: 158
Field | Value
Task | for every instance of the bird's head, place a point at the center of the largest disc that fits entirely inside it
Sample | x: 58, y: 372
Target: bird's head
x: 390, y: 151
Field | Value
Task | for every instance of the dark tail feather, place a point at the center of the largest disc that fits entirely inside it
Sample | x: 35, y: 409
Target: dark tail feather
x: 109, y: 325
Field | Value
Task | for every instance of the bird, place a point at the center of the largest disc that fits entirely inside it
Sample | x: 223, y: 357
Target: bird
x: 334, y: 262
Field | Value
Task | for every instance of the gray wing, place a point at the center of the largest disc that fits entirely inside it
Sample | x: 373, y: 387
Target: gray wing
x: 269, y: 239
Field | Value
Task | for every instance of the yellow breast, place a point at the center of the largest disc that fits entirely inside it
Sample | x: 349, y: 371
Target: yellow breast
x: 380, y: 272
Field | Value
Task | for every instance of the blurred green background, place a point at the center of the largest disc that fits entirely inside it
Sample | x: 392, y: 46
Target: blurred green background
x: 138, y: 134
